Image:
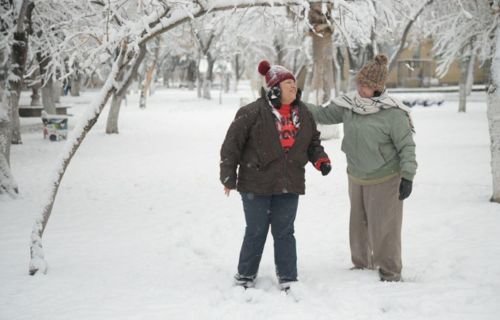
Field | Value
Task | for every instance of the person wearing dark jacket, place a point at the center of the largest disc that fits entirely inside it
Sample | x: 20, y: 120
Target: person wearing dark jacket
x: 263, y: 156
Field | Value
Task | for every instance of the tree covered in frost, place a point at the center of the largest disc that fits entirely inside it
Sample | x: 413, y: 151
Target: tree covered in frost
x: 462, y: 32
x: 470, y: 30
x: 367, y: 27
x: 124, y: 43
x: 493, y: 111
x: 15, y: 29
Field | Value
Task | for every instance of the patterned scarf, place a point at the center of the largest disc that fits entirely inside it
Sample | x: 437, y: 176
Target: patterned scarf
x: 287, y: 126
x: 353, y: 101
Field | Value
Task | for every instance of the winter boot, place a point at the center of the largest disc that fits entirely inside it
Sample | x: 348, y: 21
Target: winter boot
x: 244, y: 281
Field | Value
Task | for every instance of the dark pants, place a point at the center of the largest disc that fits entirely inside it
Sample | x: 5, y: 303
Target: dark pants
x: 279, y: 211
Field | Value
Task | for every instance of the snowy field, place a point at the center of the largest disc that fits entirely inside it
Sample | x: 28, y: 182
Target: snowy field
x: 141, y: 228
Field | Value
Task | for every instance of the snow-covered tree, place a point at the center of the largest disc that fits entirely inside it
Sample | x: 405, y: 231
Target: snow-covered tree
x: 18, y: 30
x: 461, y: 31
x: 149, y: 70
x: 322, y: 50
x: 57, y: 46
x: 494, y: 105
x: 367, y: 27
x: 125, y: 44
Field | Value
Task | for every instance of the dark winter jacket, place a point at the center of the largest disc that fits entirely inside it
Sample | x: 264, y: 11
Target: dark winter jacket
x: 252, y: 147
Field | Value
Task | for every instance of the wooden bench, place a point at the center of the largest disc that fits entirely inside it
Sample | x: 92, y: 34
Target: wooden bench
x: 36, y: 111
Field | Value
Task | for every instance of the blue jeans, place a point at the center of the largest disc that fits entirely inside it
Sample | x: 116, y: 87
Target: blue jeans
x: 277, y: 211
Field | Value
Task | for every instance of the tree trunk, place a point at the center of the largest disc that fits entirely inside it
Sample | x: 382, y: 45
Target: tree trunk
x: 322, y: 72
x: 192, y: 75
x: 120, y: 96
x: 462, y: 102
x: 7, y: 182
x: 199, y: 86
x: 200, y: 76
x: 57, y: 86
x: 6, y: 128
x: 49, y: 104
x: 166, y: 76
x: 149, y: 74
x: 114, y: 112
x: 9, y: 109
x: 322, y: 82
x: 142, y: 97
x: 227, y: 81
x: 207, y: 85
x: 76, y: 81
x: 35, y: 95
x: 146, y: 85
x: 493, y: 113
x: 76, y: 85
x: 15, y: 83
x: 470, y: 74
x: 207, y: 81
x: 16, y: 125
x: 237, y: 74
x: 279, y: 52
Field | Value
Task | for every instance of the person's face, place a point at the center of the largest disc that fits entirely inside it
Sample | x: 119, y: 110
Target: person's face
x: 288, y: 91
x: 365, y: 91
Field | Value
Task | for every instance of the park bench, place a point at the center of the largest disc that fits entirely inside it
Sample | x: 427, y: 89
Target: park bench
x: 36, y: 111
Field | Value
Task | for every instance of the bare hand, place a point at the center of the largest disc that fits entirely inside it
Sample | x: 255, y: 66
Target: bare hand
x: 227, y: 191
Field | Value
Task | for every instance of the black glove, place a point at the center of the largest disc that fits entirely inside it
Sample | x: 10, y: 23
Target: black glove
x: 325, y: 168
x: 405, y: 188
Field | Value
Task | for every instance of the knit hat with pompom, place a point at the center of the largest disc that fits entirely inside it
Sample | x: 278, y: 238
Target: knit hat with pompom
x: 274, y: 74
x: 374, y: 73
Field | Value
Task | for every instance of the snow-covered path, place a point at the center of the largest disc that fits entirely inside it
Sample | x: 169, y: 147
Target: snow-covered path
x: 141, y: 228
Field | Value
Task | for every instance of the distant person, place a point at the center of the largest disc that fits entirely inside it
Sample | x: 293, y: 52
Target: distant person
x: 263, y: 156
x: 378, y: 143
x: 66, y: 86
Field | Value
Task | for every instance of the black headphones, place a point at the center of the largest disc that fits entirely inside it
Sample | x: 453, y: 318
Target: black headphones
x: 274, y: 96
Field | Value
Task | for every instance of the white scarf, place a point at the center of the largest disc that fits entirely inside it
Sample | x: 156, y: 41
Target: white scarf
x: 353, y: 101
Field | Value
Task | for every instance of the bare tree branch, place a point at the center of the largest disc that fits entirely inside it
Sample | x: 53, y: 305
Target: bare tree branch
x: 402, y: 43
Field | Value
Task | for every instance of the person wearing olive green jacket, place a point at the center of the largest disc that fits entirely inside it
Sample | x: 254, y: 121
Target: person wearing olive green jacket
x: 378, y: 143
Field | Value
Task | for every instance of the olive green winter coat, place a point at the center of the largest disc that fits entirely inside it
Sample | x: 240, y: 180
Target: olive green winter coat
x: 377, y: 145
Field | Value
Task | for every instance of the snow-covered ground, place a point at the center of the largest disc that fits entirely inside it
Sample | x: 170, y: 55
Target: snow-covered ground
x: 141, y: 228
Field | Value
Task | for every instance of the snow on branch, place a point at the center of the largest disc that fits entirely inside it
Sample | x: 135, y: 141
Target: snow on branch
x: 76, y: 137
x: 458, y: 28
x: 180, y: 15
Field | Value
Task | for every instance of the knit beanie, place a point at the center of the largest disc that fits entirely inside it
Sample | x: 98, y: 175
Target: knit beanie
x: 374, y: 73
x: 274, y: 74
